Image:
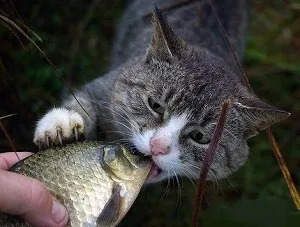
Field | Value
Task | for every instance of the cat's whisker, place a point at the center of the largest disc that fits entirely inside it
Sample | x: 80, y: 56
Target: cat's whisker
x: 129, y: 114
x: 125, y: 141
x: 193, y: 165
x: 225, y: 129
x: 132, y: 119
x: 117, y: 131
x: 166, y: 190
x: 121, y: 111
x: 187, y: 175
x: 227, y: 178
x: 215, y: 184
x: 178, y: 190
x: 215, y: 180
x: 106, y: 120
x: 123, y: 134
x: 210, y: 172
x: 107, y: 107
x: 189, y: 167
x: 168, y: 185
x: 117, y: 122
x: 106, y: 89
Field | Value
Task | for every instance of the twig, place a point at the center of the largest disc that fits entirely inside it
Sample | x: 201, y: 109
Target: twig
x: 284, y: 169
x: 276, y: 150
x: 210, y: 152
x: 9, y: 140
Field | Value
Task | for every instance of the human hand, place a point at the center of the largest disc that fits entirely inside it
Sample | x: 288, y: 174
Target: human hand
x: 21, y: 195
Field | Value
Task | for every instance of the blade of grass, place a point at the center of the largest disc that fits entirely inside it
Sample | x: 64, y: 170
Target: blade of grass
x: 239, y: 65
x: 9, y: 140
x: 6, y: 116
x: 16, y: 27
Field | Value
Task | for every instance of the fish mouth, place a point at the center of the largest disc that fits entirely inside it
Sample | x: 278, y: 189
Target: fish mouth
x: 155, y: 171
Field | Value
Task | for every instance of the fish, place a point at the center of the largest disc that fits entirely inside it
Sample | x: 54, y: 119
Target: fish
x: 97, y: 182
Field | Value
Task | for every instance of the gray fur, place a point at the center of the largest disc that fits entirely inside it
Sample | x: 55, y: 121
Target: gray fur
x: 194, y: 71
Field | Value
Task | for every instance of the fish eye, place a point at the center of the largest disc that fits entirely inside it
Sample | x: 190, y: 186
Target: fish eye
x: 197, y: 137
x: 155, y: 106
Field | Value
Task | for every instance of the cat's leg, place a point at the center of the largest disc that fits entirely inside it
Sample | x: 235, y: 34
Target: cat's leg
x: 72, y: 120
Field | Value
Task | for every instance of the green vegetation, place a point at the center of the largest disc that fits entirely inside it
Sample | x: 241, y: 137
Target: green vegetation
x: 256, y: 195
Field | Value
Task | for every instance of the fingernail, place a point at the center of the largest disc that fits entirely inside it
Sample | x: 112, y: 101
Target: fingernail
x: 58, y: 212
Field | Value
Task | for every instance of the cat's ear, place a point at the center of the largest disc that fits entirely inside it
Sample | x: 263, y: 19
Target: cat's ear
x: 258, y: 115
x: 165, y: 43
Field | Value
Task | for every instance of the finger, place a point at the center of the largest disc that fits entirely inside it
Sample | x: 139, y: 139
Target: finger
x: 21, y: 195
x: 8, y: 159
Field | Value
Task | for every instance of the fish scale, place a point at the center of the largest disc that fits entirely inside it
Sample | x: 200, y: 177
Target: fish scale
x: 75, y: 176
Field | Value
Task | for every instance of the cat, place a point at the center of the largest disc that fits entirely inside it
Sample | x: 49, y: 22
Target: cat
x: 164, y: 91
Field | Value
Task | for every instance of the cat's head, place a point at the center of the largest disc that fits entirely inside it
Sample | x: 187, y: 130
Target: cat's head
x: 168, y: 106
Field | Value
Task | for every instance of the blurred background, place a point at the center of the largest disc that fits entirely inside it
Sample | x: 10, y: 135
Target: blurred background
x: 77, y: 36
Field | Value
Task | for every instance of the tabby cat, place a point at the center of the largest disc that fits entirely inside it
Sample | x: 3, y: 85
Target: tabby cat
x: 165, y: 87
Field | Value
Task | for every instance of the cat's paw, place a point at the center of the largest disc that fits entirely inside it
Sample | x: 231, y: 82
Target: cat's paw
x: 57, y: 125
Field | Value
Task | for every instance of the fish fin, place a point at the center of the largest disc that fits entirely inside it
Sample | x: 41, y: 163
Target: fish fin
x: 111, y: 210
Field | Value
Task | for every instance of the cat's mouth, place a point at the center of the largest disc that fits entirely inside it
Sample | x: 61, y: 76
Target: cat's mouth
x: 155, y: 171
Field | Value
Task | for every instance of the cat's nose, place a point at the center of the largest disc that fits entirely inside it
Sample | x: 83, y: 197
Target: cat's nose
x: 159, y: 146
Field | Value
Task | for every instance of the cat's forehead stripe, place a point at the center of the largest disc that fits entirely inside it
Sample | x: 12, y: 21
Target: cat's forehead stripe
x: 208, y: 117
x: 178, y: 98
x: 168, y: 95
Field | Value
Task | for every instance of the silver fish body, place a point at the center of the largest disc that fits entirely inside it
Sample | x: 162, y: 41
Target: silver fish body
x: 97, y: 182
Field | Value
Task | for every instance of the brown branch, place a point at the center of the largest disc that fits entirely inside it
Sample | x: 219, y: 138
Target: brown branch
x: 210, y: 152
x: 285, y: 171
x: 276, y: 150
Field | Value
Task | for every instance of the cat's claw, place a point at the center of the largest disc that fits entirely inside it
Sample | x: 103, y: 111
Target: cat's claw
x: 47, y: 139
x: 58, y: 125
x: 59, y: 135
x: 76, y: 133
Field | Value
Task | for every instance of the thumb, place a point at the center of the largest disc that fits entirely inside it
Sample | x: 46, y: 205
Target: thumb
x: 21, y: 195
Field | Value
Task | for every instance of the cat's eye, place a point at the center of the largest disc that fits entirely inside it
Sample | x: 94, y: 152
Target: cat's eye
x: 155, y: 106
x: 198, y: 137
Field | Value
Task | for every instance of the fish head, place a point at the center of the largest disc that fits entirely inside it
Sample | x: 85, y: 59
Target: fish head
x: 124, y: 162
